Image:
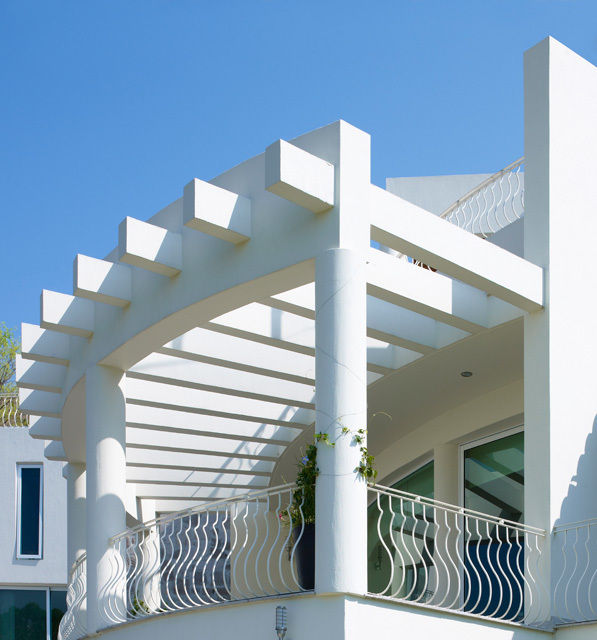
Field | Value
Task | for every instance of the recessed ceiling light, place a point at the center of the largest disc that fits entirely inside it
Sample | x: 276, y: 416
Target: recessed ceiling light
x: 466, y: 374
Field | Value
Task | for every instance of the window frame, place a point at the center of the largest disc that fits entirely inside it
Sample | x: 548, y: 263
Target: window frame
x: 40, y: 546
x: 47, y: 590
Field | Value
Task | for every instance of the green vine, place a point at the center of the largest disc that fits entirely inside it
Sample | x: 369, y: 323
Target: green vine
x: 302, y: 508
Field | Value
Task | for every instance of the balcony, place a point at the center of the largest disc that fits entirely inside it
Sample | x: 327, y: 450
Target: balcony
x: 424, y: 553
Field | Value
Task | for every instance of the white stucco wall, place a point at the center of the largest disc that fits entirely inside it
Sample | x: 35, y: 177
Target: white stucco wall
x: 337, y: 617
x: 16, y: 446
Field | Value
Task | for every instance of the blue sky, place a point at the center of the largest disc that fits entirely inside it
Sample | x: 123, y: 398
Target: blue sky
x: 110, y: 106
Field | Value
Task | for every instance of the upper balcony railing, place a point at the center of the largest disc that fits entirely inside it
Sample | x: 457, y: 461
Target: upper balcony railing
x: 10, y: 416
x: 492, y: 205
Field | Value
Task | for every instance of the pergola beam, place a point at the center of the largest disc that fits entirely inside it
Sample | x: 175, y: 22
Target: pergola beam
x: 195, y: 443
x: 154, y: 394
x: 173, y: 421
x: 31, y: 374
x: 150, y: 247
x: 216, y: 211
x: 102, y: 281
x: 67, y: 314
x: 44, y: 345
x: 197, y: 461
x: 261, y: 323
x: 208, y: 377
x: 297, y: 175
x: 403, y: 226
x: 385, y: 322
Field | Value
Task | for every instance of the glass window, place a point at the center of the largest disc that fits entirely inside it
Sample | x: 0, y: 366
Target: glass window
x: 57, y: 610
x: 29, y: 506
x: 419, y: 482
x: 22, y: 614
x: 494, y: 477
x: 385, y: 516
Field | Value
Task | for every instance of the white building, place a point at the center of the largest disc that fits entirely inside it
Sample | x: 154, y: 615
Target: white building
x: 33, y: 567
x: 185, y: 376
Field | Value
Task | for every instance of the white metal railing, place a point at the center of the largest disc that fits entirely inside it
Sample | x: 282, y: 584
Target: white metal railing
x: 73, y: 624
x: 235, y: 549
x: 574, y: 567
x: 493, y: 204
x: 427, y: 552
x: 10, y: 416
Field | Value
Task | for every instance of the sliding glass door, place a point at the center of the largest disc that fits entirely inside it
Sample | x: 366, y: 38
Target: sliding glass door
x: 493, y: 484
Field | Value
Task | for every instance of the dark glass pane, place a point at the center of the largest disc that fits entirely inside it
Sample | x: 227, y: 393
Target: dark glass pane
x: 494, y: 477
x: 30, y: 512
x: 494, y: 484
x: 384, y: 516
x: 419, y: 482
x: 57, y: 610
x: 22, y: 614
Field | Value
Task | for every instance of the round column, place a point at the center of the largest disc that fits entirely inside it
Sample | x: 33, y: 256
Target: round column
x: 341, y: 403
x: 76, y: 490
x: 106, y: 496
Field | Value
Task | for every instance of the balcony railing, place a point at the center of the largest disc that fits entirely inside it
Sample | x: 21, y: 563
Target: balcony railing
x: 420, y: 551
x: 10, y: 416
x: 574, y: 553
x: 252, y: 546
x: 492, y: 205
x: 73, y: 623
x: 429, y: 553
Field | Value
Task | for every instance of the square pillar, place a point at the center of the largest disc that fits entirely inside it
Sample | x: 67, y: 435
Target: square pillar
x: 560, y: 350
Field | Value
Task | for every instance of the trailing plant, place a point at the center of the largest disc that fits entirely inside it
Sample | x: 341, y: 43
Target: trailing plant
x: 302, y: 507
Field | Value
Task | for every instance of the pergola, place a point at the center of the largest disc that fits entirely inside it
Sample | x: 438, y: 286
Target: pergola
x: 190, y: 359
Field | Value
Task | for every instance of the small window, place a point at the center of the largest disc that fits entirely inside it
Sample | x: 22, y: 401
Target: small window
x: 29, y: 510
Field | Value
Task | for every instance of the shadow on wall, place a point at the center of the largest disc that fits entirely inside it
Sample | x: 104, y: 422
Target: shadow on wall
x: 581, y: 501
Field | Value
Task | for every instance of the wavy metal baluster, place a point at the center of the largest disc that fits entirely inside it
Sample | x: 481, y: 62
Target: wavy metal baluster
x: 296, y: 542
x: 405, y: 545
x: 275, y: 543
x: 392, y: 538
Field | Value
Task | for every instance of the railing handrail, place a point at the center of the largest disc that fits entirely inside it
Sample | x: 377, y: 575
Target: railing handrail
x: 201, y: 508
x: 473, y: 192
x: 451, y: 508
x: 568, y: 526
x: 77, y: 563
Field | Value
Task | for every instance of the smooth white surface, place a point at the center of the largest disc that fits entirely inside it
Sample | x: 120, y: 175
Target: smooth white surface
x: 16, y: 447
x: 76, y: 483
x: 216, y: 211
x: 341, y: 403
x: 67, y: 314
x: 43, y: 345
x: 295, y: 174
x: 149, y: 247
x: 102, y: 281
x: 39, y: 375
x: 105, y: 486
x: 402, y: 225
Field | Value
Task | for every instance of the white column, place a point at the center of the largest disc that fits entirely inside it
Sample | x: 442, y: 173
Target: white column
x: 341, y: 402
x: 445, y: 473
x: 76, y: 489
x: 106, y: 494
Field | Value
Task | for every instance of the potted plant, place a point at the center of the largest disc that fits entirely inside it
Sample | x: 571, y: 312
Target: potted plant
x: 301, y: 512
x: 301, y: 517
